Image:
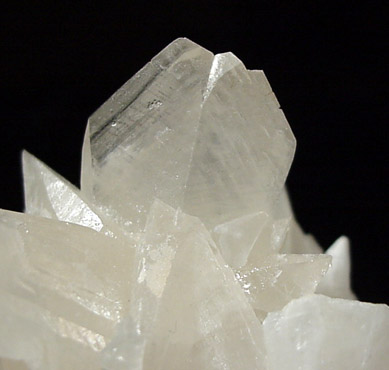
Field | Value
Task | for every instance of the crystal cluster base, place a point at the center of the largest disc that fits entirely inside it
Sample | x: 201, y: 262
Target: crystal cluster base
x: 180, y: 250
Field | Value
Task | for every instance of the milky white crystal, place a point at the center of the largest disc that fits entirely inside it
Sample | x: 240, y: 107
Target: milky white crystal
x: 319, y: 333
x: 197, y: 313
x: 181, y: 250
x: 336, y: 283
x: 63, y: 289
x: 274, y: 281
x: 184, y: 130
x: 49, y: 195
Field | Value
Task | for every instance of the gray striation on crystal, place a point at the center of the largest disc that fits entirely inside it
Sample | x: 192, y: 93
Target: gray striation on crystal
x: 181, y: 249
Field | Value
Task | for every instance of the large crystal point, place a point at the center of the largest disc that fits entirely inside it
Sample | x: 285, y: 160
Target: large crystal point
x: 181, y: 250
x: 142, y: 138
x: 320, y: 333
x: 197, y: 131
x: 63, y: 289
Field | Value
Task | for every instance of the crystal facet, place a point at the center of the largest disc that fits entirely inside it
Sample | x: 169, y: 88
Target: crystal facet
x: 181, y: 250
x: 69, y: 281
x: 319, y: 333
x: 185, y: 130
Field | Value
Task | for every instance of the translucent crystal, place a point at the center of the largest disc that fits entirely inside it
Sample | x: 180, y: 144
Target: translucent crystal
x: 192, y: 314
x: 277, y: 231
x: 237, y: 238
x: 63, y: 289
x: 336, y: 283
x: 126, y: 349
x: 319, y: 333
x: 296, y: 241
x: 181, y: 250
x: 277, y: 279
x: 196, y: 131
x: 49, y: 195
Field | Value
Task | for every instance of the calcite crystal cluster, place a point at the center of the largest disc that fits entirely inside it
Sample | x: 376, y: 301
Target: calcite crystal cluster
x: 180, y: 251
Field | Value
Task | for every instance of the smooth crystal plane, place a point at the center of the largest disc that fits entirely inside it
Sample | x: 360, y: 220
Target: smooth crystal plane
x: 180, y: 250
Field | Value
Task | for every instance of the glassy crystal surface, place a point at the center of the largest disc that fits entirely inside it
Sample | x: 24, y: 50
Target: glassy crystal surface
x: 49, y: 195
x: 274, y: 281
x: 191, y: 314
x: 181, y: 250
x: 336, y: 283
x: 63, y: 288
x: 196, y: 131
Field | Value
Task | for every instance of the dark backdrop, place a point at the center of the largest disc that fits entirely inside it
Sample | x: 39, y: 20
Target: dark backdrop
x: 325, y: 63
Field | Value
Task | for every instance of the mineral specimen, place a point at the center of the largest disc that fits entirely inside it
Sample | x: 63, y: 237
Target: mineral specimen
x: 181, y: 250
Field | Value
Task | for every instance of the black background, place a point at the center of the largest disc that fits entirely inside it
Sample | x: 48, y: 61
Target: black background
x: 325, y: 63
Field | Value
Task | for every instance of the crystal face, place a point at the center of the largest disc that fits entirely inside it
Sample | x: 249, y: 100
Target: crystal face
x: 180, y: 250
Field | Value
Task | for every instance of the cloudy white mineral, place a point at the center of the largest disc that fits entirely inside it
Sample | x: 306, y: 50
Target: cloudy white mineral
x: 180, y: 251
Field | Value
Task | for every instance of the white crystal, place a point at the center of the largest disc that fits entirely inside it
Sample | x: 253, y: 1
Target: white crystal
x: 69, y: 281
x: 319, y: 333
x: 216, y: 144
x: 196, y: 313
x: 237, y: 238
x: 126, y: 349
x: 277, y: 279
x: 49, y: 195
x: 296, y: 240
x: 181, y: 250
x: 336, y: 283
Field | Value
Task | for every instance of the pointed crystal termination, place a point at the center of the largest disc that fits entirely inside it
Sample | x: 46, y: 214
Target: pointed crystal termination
x: 336, y: 283
x: 181, y: 250
x: 63, y: 288
x: 142, y: 139
x: 47, y: 194
x: 197, y: 131
x: 193, y: 315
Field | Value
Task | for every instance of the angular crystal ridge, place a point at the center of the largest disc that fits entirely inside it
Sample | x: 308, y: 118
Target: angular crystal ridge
x: 181, y: 250
x: 195, y: 130
x: 194, y: 314
x: 47, y: 194
x: 336, y: 283
x: 280, y: 278
x: 69, y: 281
